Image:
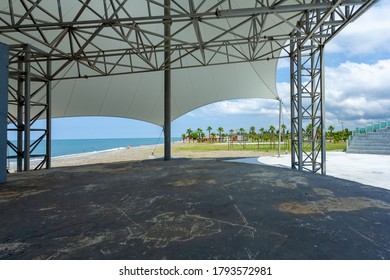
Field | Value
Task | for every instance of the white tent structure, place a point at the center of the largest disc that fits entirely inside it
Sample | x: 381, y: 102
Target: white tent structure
x: 136, y: 45
x: 74, y: 57
x: 141, y: 96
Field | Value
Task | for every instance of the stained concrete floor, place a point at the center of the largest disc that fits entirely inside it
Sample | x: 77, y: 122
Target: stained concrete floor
x: 190, y: 209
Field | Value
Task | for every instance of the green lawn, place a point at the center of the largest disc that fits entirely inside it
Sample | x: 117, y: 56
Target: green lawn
x: 340, y: 146
x: 264, y: 147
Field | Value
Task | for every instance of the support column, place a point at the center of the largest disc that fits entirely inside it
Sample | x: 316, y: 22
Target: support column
x: 307, y: 107
x: 20, y: 112
x: 296, y: 104
x: 27, y: 108
x: 167, y: 81
x: 323, y: 113
x: 4, y: 56
x: 280, y: 126
x: 292, y: 103
x: 48, y: 114
x: 29, y: 89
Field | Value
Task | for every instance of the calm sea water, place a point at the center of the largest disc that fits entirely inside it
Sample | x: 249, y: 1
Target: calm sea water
x: 78, y: 146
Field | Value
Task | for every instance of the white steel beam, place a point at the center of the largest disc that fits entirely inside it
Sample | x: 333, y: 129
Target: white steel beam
x: 77, y: 41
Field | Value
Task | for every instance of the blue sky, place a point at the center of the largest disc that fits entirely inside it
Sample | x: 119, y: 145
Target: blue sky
x: 357, y: 91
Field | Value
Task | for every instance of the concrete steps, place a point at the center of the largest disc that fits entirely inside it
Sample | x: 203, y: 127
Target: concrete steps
x: 377, y: 142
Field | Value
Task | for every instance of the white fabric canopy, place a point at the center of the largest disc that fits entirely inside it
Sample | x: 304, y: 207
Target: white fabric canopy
x: 214, y: 41
x: 141, y: 96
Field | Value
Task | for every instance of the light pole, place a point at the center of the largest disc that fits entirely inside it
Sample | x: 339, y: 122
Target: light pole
x: 342, y: 125
x: 280, y: 125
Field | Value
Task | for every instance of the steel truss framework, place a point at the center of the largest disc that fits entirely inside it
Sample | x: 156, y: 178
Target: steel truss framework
x: 307, y: 107
x: 29, y: 87
x: 89, y: 38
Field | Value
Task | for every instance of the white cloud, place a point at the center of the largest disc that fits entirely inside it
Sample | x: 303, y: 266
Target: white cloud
x: 360, y: 79
x: 250, y: 106
x: 367, y: 35
x: 284, y: 91
x: 242, y: 107
x: 283, y: 63
x: 358, y: 92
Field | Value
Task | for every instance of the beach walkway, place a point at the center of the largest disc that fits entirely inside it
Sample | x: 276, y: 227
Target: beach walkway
x: 190, y: 209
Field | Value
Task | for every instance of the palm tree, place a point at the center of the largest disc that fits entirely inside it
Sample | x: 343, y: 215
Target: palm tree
x: 271, y: 130
x: 231, y: 133
x: 189, y: 132
x: 261, y: 130
x: 209, y: 128
x: 194, y: 136
x: 309, y: 131
x: 283, y: 127
x: 318, y: 135
x: 346, y: 134
x: 331, y: 129
x: 220, y: 130
x: 252, y: 132
x: 183, y: 136
x: 199, y: 131
x: 213, y: 135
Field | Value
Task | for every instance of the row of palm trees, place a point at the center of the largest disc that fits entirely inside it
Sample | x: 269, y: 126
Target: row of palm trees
x: 270, y: 134
x: 263, y: 134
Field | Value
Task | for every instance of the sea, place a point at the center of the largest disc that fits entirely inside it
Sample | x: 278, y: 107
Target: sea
x: 64, y: 147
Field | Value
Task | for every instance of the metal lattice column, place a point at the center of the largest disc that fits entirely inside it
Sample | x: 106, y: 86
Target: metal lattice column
x: 307, y: 106
x: 29, y: 98
x: 4, y: 55
x: 167, y: 81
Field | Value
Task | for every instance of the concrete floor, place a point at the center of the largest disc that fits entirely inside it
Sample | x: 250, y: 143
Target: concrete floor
x: 368, y: 169
x: 190, y: 209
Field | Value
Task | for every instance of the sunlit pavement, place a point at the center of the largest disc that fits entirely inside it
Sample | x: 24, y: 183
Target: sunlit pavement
x: 367, y: 169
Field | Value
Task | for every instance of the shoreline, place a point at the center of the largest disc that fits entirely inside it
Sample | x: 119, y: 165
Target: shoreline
x: 345, y: 166
x: 145, y: 152
x: 103, y: 156
x: 137, y: 153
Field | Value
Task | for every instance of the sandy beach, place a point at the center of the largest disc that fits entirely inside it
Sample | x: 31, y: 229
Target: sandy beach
x: 144, y: 153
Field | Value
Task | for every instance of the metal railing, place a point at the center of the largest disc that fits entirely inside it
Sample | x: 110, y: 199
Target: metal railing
x: 370, y: 128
